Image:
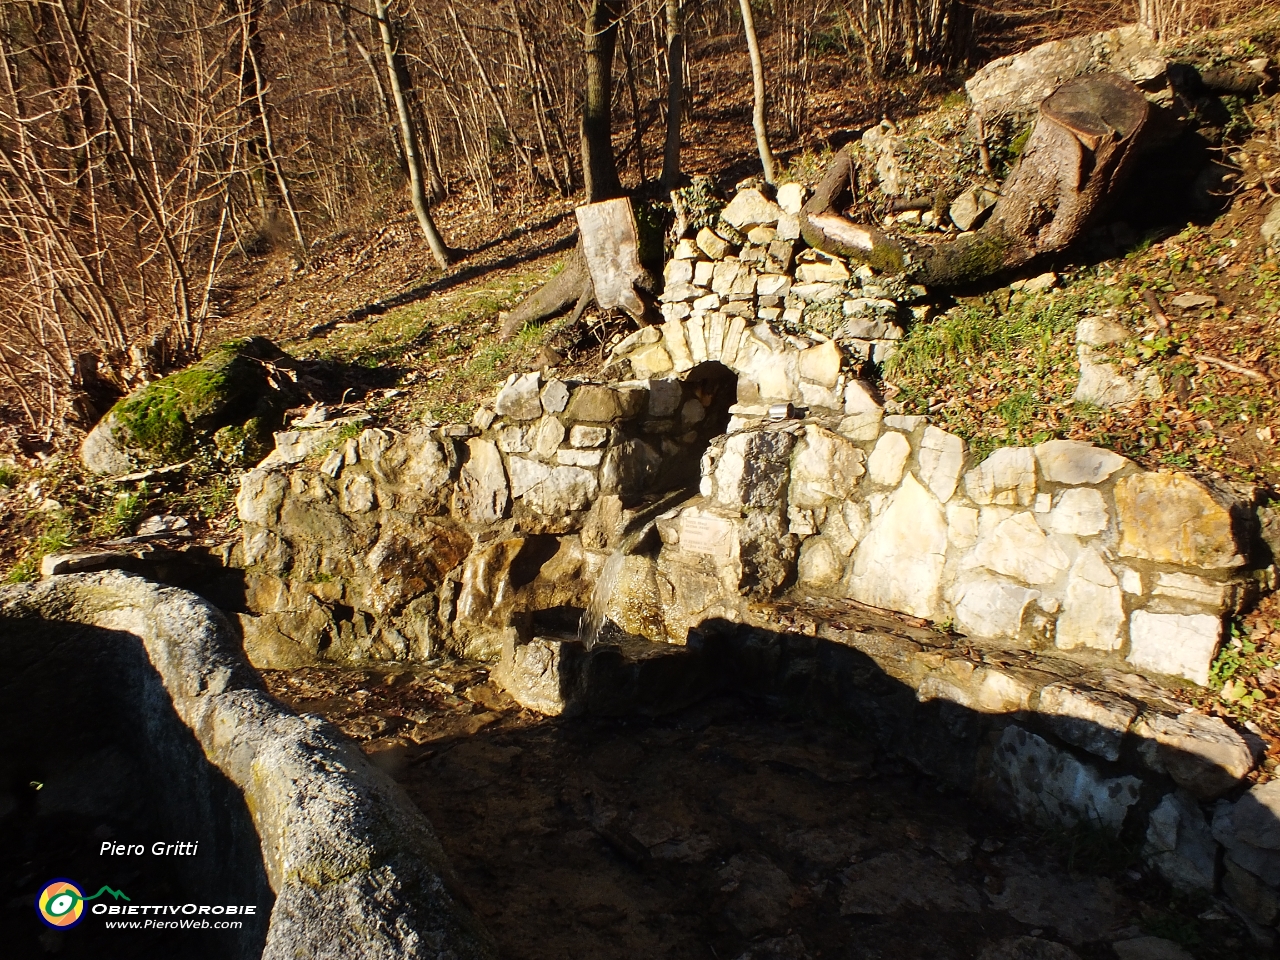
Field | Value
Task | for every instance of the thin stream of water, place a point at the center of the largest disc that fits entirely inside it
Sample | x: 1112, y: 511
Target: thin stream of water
x: 593, y: 616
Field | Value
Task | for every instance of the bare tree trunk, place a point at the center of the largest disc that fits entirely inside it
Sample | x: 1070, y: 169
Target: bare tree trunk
x: 1164, y: 19
x: 675, y: 94
x: 512, y: 137
x: 552, y: 298
x: 539, y: 107
x: 637, y: 123
x: 1076, y: 158
x: 249, y: 19
x: 182, y: 298
x: 598, y: 166
x: 758, y: 111
x: 409, y: 137
x: 384, y: 98
x: 573, y: 283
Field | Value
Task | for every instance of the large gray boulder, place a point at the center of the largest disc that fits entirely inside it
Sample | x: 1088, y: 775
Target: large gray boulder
x: 229, y: 398
x: 354, y: 867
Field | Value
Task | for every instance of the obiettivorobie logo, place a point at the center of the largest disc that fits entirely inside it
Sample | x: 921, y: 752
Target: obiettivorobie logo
x: 60, y: 903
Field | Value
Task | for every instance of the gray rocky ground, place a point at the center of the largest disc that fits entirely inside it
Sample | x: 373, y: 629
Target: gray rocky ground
x: 728, y: 831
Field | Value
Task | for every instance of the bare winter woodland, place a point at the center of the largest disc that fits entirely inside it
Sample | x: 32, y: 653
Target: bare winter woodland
x: 146, y: 145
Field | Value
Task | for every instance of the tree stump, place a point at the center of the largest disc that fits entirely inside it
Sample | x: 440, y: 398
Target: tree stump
x: 604, y: 267
x: 1076, y: 158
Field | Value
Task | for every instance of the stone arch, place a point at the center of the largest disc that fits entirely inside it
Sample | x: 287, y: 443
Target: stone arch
x: 772, y: 368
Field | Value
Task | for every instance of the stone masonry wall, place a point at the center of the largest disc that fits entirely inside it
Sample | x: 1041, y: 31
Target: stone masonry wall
x: 1069, y: 569
x: 365, y: 543
x: 373, y: 544
x: 1064, y: 545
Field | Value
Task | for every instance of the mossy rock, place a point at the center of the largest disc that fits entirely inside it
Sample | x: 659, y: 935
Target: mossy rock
x: 227, y: 400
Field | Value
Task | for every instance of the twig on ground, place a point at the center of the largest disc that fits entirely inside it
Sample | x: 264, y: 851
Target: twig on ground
x: 1233, y: 367
x: 1153, y: 304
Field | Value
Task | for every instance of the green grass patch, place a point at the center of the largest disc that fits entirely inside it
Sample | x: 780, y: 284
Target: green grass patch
x: 447, y: 344
x: 55, y: 532
x: 425, y: 330
x: 121, y: 515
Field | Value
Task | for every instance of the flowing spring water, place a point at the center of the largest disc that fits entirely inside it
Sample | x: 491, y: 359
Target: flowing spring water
x: 593, y: 616
x: 592, y: 621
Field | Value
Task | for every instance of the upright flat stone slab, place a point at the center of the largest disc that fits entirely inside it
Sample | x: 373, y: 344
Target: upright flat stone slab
x: 899, y: 564
x: 1177, y: 644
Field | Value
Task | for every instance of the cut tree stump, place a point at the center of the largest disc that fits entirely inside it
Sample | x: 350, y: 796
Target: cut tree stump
x: 612, y: 248
x: 1076, y: 158
x: 604, y: 267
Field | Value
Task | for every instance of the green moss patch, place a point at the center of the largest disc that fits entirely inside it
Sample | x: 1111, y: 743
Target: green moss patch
x: 227, y: 391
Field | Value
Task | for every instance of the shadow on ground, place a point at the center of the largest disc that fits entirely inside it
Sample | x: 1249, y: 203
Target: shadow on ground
x: 781, y: 814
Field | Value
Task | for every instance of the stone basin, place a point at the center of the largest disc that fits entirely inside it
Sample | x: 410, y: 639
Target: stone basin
x: 129, y: 717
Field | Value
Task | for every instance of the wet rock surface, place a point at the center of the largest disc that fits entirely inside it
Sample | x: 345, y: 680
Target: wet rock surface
x: 726, y: 830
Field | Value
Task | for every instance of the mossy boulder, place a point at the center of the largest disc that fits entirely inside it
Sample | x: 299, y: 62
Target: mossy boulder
x: 231, y: 399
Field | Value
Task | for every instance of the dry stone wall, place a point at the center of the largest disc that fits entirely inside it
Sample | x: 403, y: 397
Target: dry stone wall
x: 367, y: 543
x: 375, y: 544
x: 1060, y: 546
x: 733, y: 456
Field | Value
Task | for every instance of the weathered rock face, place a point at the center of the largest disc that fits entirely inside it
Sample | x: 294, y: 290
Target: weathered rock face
x: 226, y: 398
x: 403, y: 546
x: 345, y: 562
x: 1053, y: 787
x: 288, y: 809
x: 1249, y: 829
x: 1180, y: 844
x: 1203, y: 535
x: 1018, y: 83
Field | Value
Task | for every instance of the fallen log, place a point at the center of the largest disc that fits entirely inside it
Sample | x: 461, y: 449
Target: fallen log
x: 1078, y: 154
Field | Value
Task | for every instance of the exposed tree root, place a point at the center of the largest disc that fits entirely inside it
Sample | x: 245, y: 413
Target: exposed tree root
x: 571, y: 286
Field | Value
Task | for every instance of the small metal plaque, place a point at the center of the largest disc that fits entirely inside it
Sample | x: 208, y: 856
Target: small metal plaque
x: 706, y: 535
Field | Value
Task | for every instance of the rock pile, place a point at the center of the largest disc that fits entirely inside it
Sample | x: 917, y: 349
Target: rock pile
x: 753, y: 267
